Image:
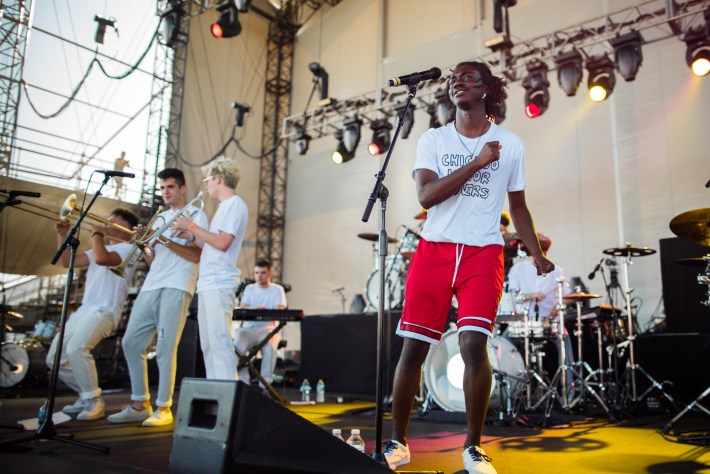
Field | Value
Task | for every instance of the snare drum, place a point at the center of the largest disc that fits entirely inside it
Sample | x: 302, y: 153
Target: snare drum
x: 394, y: 283
x: 506, y: 308
x: 443, y: 372
x: 536, y: 330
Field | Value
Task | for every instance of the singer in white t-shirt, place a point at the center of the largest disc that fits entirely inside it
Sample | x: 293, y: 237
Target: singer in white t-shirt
x: 219, y: 276
x: 260, y: 295
x: 101, y: 307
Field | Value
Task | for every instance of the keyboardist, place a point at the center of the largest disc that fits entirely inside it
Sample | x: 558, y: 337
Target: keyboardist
x: 260, y: 295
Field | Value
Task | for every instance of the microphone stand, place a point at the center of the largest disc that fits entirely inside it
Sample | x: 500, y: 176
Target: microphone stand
x: 46, y: 429
x: 381, y: 192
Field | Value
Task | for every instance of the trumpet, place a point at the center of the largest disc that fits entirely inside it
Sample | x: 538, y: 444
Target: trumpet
x: 70, y: 209
x: 133, y: 254
x: 154, y: 238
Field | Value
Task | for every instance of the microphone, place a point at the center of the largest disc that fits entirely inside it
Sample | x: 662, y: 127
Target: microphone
x: 596, y: 269
x: 337, y: 290
x: 122, y: 174
x: 15, y: 193
x: 409, y: 79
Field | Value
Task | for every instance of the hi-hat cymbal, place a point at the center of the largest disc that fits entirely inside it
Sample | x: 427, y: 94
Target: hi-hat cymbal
x: 693, y: 226
x: 375, y: 238
x: 696, y: 261
x: 579, y: 296
x: 629, y: 250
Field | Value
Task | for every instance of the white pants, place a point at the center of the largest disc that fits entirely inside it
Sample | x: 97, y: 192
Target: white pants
x: 77, y: 368
x: 214, y: 319
x: 246, y: 338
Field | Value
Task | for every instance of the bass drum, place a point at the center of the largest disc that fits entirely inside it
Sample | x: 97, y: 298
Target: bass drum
x: 443, y: 372
x: 23, y: 364
x: 394, y: 284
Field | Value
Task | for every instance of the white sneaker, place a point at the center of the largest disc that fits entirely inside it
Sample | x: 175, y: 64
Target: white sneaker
x: 159, y: 418
x: 475, y: 461
x: 396, y: 454
x: 94, y: 409
x: 76, y: 407
x: 130, y: 415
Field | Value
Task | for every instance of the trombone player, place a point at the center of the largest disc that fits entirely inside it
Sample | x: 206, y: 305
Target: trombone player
x: 100, y: 311
x: 161, y: 307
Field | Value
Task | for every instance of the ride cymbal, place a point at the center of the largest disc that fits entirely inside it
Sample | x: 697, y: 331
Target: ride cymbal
x: 375, y: 237
x: 579, y: 296
x: 693, y: 225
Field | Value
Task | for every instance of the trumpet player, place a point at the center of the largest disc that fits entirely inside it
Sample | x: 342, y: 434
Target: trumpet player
x: 219, y: 275
x: 161, y: 307
x: 96, y: 318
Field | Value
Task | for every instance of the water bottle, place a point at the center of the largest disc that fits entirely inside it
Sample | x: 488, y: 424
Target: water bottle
x: 305, y: 391
x: 336, y: 433
x: 42, y: 413
x: 356, y: 441
x: 320, y: 391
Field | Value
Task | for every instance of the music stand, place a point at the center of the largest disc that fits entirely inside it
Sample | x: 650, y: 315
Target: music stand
x: 46, y: 429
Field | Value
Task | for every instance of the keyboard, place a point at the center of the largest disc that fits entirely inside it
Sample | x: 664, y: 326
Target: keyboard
x: 267, y: 314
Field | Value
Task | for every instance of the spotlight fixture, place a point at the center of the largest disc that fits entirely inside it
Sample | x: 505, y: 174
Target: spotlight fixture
x: 697, y: 53
x: 243, y: 5
x: 171, y: 19
x: 537, y: 94
x: 227, y: 25
x: 500, y: 111
x: 601, y: 80
x: 321, y: 78
x: 380, y: 137
x: 569, y: 71
x: 241, y: 110
x: 341, y: 154
x: 302, y: 142
x: 627, y: 54
x: 444, y: 114
x: 351, y: 133
x: 102, y: 23
x: 408, y: 121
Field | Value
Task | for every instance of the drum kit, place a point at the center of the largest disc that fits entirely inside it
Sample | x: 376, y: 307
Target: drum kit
x: 22, y: 357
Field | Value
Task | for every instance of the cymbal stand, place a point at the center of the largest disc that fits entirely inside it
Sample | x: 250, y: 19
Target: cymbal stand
x: 632, y: 367
x: 532, y: 375
x: 581, y: 365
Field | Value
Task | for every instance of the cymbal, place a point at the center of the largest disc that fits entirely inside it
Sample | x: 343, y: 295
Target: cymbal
x: 693, y: 225
x: 629, y: 250
x: 579, y: 296
x: 697, y: 261
x: 375, y: 238
x: 421, y: 216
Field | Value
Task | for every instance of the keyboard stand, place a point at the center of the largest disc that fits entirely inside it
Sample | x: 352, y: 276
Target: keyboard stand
x: 245, y: 360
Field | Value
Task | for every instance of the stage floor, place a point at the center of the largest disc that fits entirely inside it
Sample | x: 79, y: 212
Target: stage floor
x: 575, y: 444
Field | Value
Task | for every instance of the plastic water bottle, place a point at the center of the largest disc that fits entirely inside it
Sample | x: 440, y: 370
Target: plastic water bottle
x: 356, y: 441
x: 337, y: 434
x: 305, y: 391
x: 320, y: 391
x: 42, y: 413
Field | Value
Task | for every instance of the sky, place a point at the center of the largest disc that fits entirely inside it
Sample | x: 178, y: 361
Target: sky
x: 53, y: 149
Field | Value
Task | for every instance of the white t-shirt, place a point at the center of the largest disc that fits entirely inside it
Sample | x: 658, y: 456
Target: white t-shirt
x: 104, y: 290
x: 270, y: 298
x: 472, y: 215
x: 218, y: 270
x: 169, y: 270
x: 523, y: 277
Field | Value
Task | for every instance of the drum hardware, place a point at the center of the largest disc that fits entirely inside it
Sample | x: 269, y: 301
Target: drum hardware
x: 703, y: 279
x: 632, y: 367
x: 566, y: 376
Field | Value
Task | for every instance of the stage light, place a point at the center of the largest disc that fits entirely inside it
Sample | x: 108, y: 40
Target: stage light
x: 243, y: 5
x: 627, y: 54
x: 697, y: 53
x: 569, y: 71
x: 500, y: 111
x: 321, y: 76
x: 444, y: 114
x: 380, y: 137
x: 171, y: 23
x: 537, y: 94
x: 341, y: 154
x: 102, y: 23
x: 351, y: 133
x: 408, y: 121
x: 227, y: 25
x: 302, y: 142
x: 601, y: 80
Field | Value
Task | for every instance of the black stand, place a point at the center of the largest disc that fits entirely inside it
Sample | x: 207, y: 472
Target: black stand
x: 245, y: 360
x: 696, y: 438
x: 380, y: 192
x: 46, y: 429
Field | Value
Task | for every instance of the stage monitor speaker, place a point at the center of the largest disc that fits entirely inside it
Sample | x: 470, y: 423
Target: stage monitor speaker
x: 225, y: 426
